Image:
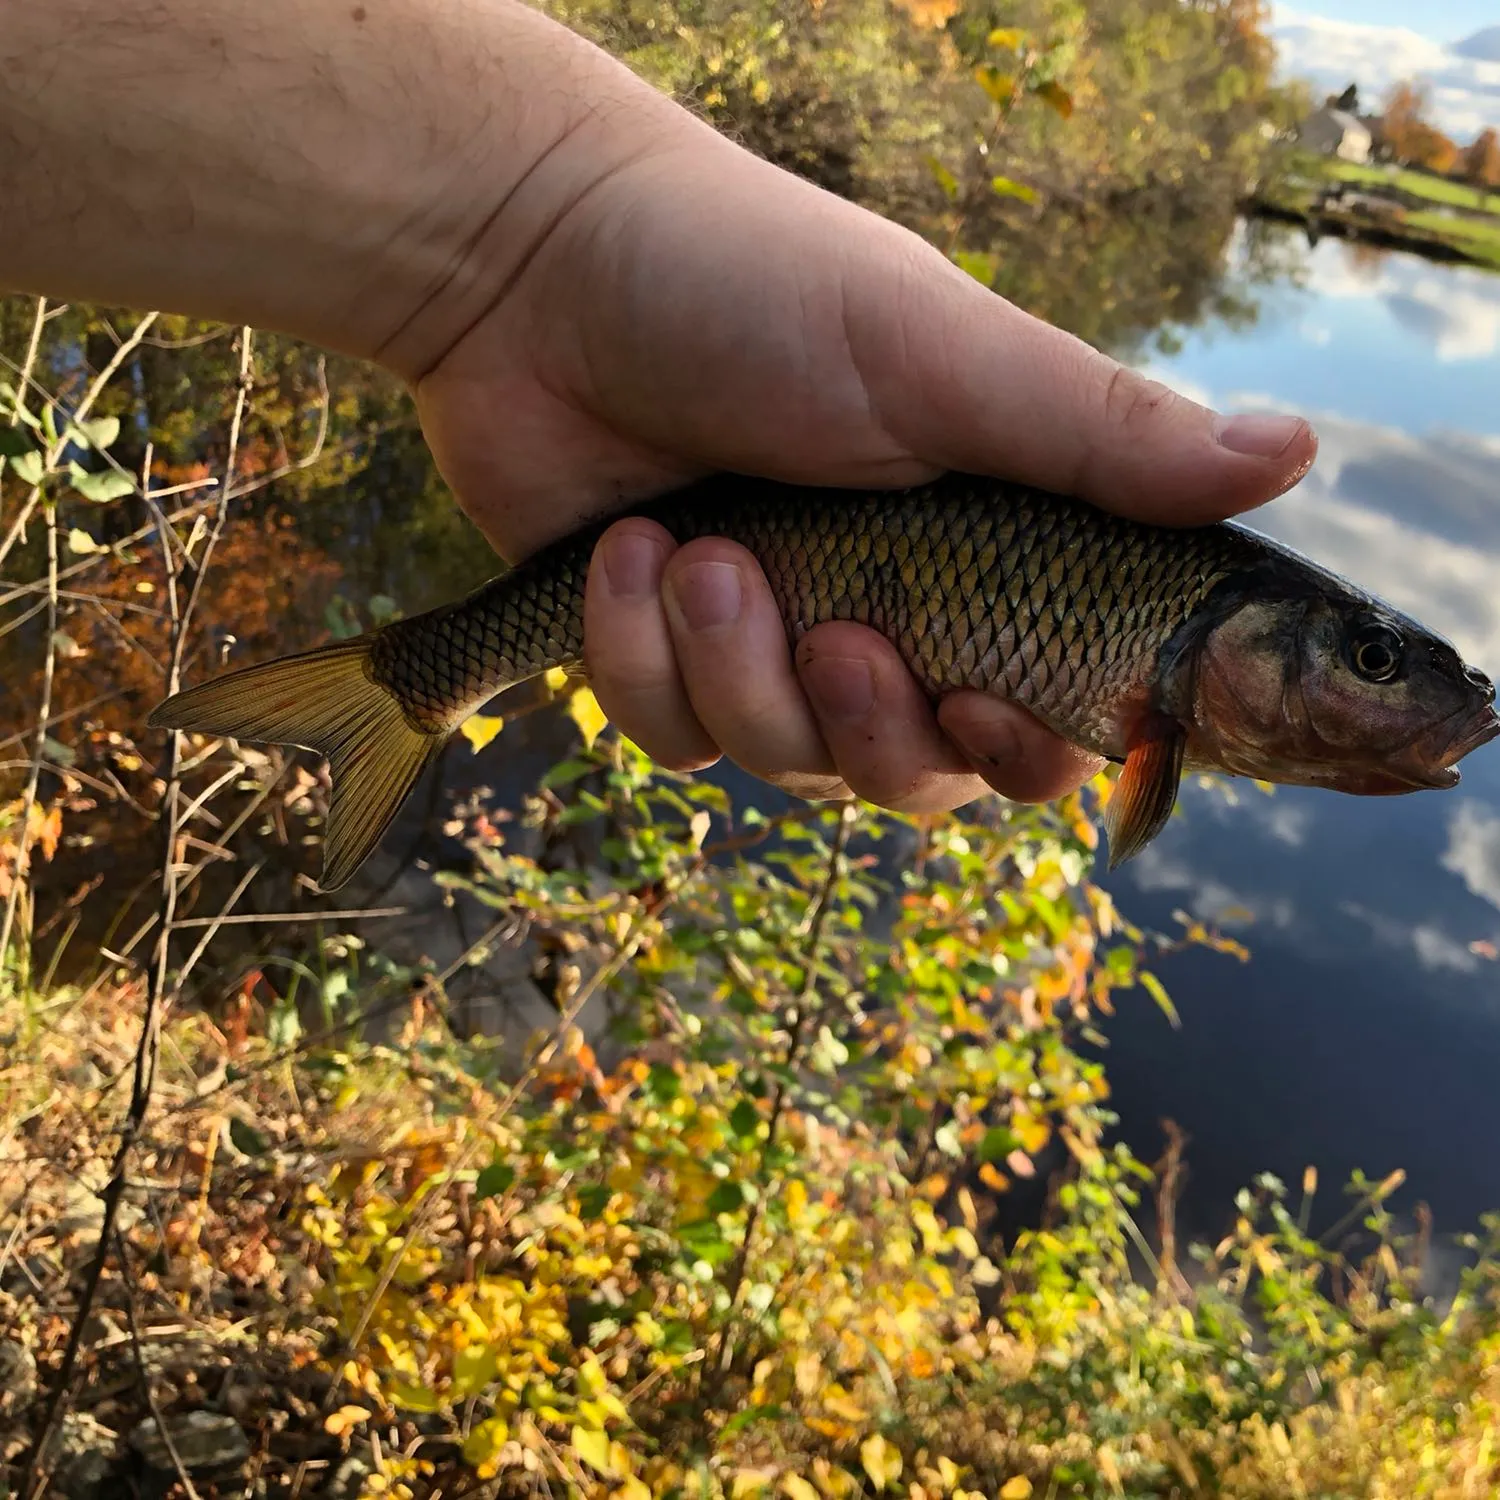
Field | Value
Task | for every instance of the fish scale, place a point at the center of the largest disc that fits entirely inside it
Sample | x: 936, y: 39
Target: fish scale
x: 1055, y: 586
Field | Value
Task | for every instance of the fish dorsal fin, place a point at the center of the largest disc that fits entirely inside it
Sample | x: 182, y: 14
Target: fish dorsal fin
x: 1147, y: 789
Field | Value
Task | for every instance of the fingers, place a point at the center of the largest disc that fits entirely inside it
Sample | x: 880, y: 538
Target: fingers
x: 628, y: 650
x: 688, y: 656
x: 1021, y: 758
x: 966, y: 379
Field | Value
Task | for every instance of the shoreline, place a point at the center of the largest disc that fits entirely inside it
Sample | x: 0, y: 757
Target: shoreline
x: 1323, y: 223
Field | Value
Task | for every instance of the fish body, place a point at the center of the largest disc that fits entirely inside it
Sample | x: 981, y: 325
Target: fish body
x: 1210, y: 648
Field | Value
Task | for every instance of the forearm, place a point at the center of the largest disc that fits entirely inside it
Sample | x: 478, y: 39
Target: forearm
x: 366, y: 174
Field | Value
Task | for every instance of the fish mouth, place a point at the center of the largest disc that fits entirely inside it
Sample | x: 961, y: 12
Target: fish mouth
x: 1479, y: 729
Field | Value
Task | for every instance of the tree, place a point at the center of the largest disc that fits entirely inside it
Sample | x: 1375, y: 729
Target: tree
x: 1482, y: 160
x: 1409, y: 137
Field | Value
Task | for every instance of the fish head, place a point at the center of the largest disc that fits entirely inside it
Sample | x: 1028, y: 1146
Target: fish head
x: 1313, y: 684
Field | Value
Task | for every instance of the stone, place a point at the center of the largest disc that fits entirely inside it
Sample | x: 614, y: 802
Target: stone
x: 206, y: 1442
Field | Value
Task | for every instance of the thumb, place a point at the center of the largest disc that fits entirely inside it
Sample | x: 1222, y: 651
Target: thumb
x: 965, y: 380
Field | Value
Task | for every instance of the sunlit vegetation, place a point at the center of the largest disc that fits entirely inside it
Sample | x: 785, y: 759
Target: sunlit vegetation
x: 800, y: 1180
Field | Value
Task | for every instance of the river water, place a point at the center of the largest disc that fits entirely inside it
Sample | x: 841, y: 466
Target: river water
x: 1365, y: 1030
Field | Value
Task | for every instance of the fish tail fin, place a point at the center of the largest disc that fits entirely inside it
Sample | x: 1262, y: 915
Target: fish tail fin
x: 328, y: 701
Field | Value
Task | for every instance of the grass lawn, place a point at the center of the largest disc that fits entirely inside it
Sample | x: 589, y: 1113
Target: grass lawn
x: 1478, y: 237
x: 1421, y: 184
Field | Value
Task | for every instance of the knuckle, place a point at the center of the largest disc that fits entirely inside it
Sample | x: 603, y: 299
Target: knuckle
x: 1131, y: 400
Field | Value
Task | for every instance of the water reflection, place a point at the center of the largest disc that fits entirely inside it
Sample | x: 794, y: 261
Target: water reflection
x: 1365, y: 1028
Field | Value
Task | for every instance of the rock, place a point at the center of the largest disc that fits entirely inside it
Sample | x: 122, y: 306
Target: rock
x: 206, y: 1442
x: 17, y: 1377
x: 82, y: 1459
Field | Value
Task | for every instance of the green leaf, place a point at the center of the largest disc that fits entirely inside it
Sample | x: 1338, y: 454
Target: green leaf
x: 727, y: 1198
x: 248, y: 1141
x: 997, y: 1144
x: 29, y: 468
x: 1155, y: 989
x: 744, y: 1119
x: 593, y: 1200
x: 978, y: 264
x: 1006, y: 187
x: 101, y: 487
x: 945, y: 179
x: 99, y: 432
x: 57, y: 752
x: 494, y: 1180
x: 13, y: 442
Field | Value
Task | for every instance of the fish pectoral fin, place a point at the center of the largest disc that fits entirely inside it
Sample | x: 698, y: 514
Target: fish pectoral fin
x: 1146, y: 791
x: 328, y: 701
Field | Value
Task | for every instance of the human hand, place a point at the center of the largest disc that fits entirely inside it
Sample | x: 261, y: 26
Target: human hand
x: 701, y: 310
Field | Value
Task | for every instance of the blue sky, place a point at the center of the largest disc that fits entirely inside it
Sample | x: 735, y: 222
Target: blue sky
x: 1442, y: 20
x: 1379, y: 43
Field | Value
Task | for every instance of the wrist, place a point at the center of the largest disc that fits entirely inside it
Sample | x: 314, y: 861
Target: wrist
x: 361, y: 173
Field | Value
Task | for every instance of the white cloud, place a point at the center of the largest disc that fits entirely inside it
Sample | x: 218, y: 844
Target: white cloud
x: 1465, y: 91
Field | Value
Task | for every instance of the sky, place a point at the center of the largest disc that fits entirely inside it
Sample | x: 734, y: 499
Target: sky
x: 1381, y: 42
x: 1442, y: 20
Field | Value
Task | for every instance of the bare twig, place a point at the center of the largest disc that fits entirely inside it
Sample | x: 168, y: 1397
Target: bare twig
x: 148, y: 1047
x: 816, y: 919
x: 147, y: 1389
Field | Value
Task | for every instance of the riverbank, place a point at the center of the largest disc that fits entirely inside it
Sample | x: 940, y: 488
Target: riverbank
x: 1392, y: 208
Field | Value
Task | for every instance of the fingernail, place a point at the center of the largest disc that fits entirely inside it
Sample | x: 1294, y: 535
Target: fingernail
x: 991, y: 739
x: 707, y: 593
x: 633, y: 564
x: 842, y: 686
x: 1258, y: 434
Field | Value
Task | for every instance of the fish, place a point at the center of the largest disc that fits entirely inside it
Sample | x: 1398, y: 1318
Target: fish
x: 1162, y: 649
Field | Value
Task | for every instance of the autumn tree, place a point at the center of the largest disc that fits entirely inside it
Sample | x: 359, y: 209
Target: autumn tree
x: 1482, y: 160
x: 1409, y: 136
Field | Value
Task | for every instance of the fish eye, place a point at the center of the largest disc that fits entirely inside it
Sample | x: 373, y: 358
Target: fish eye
x: 1375, y: 652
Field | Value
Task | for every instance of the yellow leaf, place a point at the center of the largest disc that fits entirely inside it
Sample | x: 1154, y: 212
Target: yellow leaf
x: 593, y: 1449
x: 996, y: 84
x: 632, y: 1489
x: 796, y: 1201
x: 882, y: 1462
x: 345, y: 1419
x: 483, y: 1445
x: 1018, y: 1488
x: 843, y: 1406
x: 749, y: 1482
x: 479, y: 730
x: 797, y: 1487
x: 1010, y: 37
x: 584, y: 710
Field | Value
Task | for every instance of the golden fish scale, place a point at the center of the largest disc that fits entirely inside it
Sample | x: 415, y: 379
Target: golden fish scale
x: 980, y: 584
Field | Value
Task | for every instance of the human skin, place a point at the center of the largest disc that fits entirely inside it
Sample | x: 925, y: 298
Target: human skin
x: 593, y: 296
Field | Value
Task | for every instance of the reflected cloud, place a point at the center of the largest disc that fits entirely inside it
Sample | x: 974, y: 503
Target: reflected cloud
x: 1432, y: 947
x: 1473, y: 852
x: 1455, y: 310
x: 1210, y: 900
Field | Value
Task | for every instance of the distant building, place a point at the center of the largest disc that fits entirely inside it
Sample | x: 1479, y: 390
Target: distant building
x: 1335, y: 132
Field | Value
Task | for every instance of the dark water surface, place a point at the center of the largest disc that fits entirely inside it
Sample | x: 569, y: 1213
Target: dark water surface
x: 1365, y: 1030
